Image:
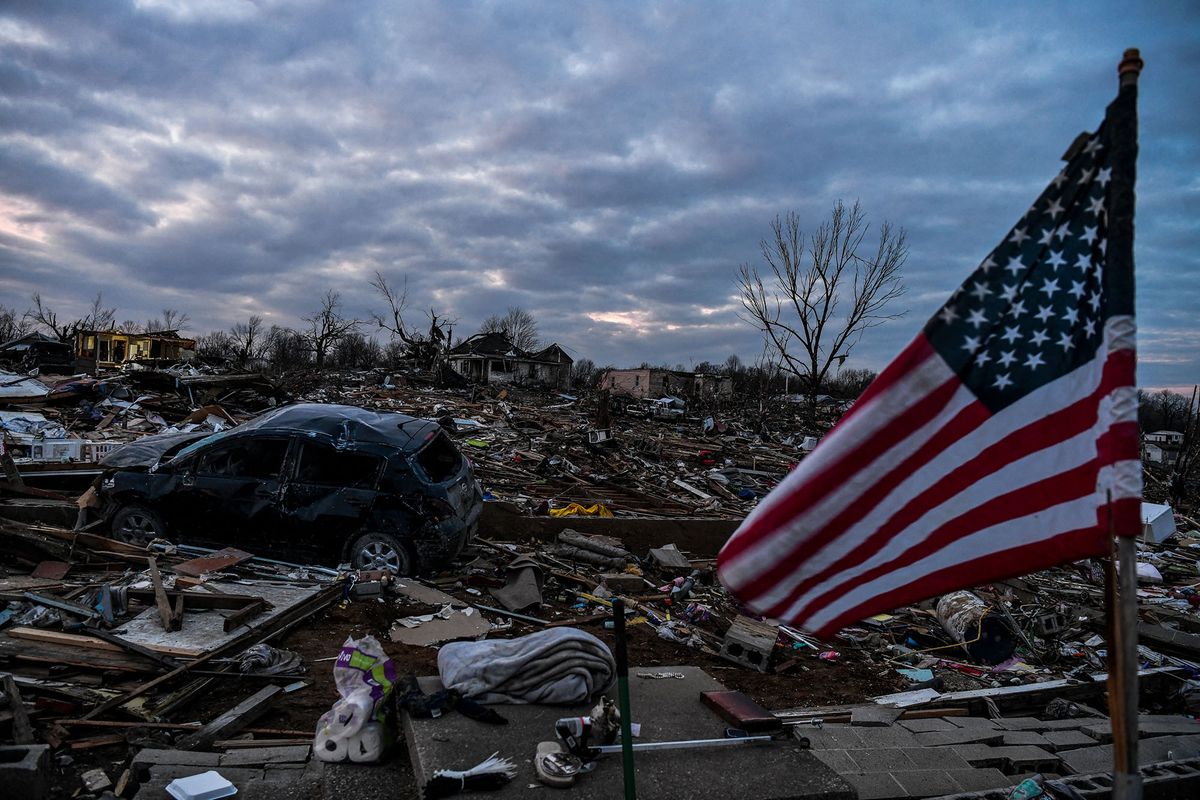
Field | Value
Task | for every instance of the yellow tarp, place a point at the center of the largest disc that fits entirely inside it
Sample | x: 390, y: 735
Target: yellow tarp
x: 574, y: 510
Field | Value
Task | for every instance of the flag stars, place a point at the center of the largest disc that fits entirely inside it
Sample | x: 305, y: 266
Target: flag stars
x: 1085, y: 176
x: 1035, y: 360
x: 1017, y: 309
x: 970, y: 343
x: 1059, y: 179
x: 1002, y: 381
x: 1008, y: 292
x: 948, y: 315
x: 1071, y: 315
x: 1076, y: 289
x: 1083, y: 263
x: 1065, y: 341
x: 1049, y: 287
x: 1039, y: 337
x: 1094, y: 300
x: 1044, y: 313
x: 1089, y: 233
x: 1093, y: 145
x: 977, y: 318
x: 988, y: 265
x: 1089, y: 327
x: 980, y: 290
x: 1055, y: 259
x: 1062, y: 230
x: 1104, y: 176
x: 1018, y: 235
x: 1007, y: 357
x: 1047, y: 236
x: 1054, y: 209
x: 1011, y: 333
x: 1015, y: 265
x: 1097, y: 206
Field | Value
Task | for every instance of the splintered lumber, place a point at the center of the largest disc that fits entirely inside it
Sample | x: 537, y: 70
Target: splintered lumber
x: 165, y: 613
x: 220, y: 560
x: 239, y: 617
x: 109, y: 705
x: 21, y: 729
x: 233, y: 720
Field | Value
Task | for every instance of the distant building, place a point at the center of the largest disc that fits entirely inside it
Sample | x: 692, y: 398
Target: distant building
x: 492, y: 358
x: 1165, y: 437
x: 113, y: 348
x: 649, y: 382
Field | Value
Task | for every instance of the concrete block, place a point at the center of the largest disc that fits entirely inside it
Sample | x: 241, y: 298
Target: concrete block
x: 883, y: 760
x: 750, y: 643
x: 145, y: 759
x: 927, y: 725
x: 926, y: 783
x: 1013, y: 738
x: 831, y: 737
x: 980, y: 780
x: 266, y: 755
x: 876, y: 786
x: 936, y: 758
x: 1100, y: 731
x: 936, y: 738
x: 964, y: 736
x: 1067, y: 740
x: 974, y: 723
x: 874, y: 716
x: 1023, y: 758
x: 887, y: 737
x: 837, y: 760
x: 1084, y: 760
x: 668, y: 711
x: 25, y: 770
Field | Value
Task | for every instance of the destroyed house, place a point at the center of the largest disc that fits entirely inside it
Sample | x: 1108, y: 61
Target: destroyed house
x: 648, y: 382
x: 113, y: 348
x: 492, y: 358
x: 37, y: 350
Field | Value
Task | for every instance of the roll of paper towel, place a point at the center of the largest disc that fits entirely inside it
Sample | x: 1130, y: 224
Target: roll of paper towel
x: 329, y: 748
x: 367, y: 745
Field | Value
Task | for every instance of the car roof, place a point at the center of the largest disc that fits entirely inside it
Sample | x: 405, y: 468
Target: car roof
x: 347, y: 423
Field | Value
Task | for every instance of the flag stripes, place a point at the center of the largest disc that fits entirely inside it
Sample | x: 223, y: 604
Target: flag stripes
x: 928, y: 482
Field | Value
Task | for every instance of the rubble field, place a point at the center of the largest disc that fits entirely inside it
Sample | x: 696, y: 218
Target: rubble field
x: 128, y: 666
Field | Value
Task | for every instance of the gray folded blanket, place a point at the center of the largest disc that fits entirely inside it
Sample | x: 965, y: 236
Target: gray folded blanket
x: 557, y: 666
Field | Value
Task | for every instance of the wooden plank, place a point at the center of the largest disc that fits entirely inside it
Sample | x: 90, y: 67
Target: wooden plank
x: 233, y: 720
x: 165, y: 612
x: 220, y: 560
x: 94, y: 642
x: 239, y: 617
x: 45, y: 653
x: 21, y: 729
x: 199, y: 600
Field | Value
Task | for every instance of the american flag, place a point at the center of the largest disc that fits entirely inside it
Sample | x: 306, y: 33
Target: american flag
x: 988, y: 448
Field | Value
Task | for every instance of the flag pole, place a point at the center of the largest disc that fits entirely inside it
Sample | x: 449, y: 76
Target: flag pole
x: 1123, y: 653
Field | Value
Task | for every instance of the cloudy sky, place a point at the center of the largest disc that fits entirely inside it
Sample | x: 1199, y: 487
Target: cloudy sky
x: 606, y: 166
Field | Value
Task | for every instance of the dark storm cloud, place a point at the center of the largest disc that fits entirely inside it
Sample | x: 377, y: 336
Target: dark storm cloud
x: 606, y: 167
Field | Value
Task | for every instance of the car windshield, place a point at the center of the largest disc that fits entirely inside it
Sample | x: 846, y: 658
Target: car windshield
x: 194, y: 446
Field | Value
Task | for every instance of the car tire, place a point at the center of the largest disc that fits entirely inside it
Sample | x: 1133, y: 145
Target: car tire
x: 137, y: 525
x: 381, y: 551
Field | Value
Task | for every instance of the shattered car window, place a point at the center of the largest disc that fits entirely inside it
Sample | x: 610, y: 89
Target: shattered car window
x: 440, y: 460
x: 252, y: 458
x: 328, y: 467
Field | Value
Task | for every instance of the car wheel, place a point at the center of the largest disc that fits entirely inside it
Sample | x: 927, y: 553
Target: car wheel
x: 380, y: 551
x: 135, y: 524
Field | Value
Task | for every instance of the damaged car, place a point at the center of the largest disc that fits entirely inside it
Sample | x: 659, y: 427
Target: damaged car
x: 310, y: 483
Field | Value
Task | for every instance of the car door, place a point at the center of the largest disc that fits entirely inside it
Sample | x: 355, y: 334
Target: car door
x: 328, y: 498
x: 235, y: 490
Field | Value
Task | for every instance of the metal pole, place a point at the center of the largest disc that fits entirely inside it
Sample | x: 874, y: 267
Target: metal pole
x: 1123, y: 686
x: 618, y: 607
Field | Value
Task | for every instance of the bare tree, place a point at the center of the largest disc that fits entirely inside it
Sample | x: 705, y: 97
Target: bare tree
x: 426, y: 348
x: 215, y: 345
x: 287, y: 349
x: 818, y: 299
x: 247, y: 341
x: 98, y: 318
x: 13, y: 324
x: 517, y: 325
x: 171, y: 320
x: 327, y: 326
